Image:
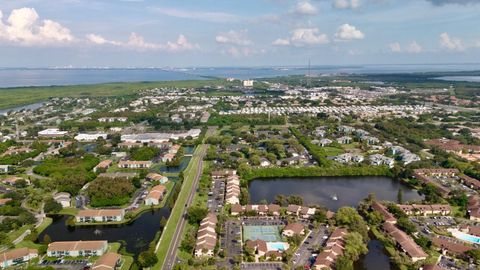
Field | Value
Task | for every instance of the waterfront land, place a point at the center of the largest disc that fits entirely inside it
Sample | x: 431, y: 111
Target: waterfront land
x: 193, y: 171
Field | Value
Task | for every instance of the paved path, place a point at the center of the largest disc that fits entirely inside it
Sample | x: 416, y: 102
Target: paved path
x: 170, y: 258
x: 172, y: 250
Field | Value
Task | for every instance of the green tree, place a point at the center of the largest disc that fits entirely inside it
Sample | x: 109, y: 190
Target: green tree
x: 196, y: 213
x: 51, y: 206
x: 354, y: 246
x: 349, y: 217
x: 147, y: 258
x: 344, y: 263
x: 46, y: 239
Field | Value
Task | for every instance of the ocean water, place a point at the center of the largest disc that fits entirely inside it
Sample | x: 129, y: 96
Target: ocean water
x: 49, y: 77
x: 460, y: 78
x: 15, y: 77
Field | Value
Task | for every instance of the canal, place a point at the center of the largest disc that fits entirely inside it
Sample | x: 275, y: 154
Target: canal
x: 332, y: 192
x: 375, y: 259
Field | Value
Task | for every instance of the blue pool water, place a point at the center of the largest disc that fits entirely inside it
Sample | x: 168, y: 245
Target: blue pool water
x: 276, y: 246
x: 468, y: 237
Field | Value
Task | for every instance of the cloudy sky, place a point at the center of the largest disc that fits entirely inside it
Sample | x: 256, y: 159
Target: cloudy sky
x: 143, y: 33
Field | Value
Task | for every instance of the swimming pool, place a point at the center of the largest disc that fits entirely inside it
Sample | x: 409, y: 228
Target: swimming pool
x: 466, y: 237
x: 277, y: 246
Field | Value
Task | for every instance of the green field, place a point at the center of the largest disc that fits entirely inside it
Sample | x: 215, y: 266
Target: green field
x: 12, y: 97
x: 179, y: 207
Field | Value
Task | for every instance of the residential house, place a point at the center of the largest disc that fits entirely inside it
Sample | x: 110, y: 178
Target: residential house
x: 155, y: 195
x: 206, y: 236
x: 77, y: 248
x: 63, y: 198
x: 293, y: 209
x: 344, y: 140
x: 405, y: 242
x: 17, y: 256
x: 259, y: 247
x: 157, y: 177
x: 333, y: 249
x: 473, y: 208
x: 5, y: 168
x: 324, y: 142
x: 274, y: 209
x: 426, y: 209
x: 133, y: 164
x: 85, y: 137
x: 108, y: 261
x: 377, y: 160
x: 236, y: 209
x: 102, y: 166
x: 293, y: 229
x: 100, y: 215
x: 387, y: 216
x: 264, y: 162
x: 450, y: 246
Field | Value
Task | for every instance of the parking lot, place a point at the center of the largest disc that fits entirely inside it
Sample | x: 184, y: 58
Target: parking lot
x: 304, y: 254
x: 231, y: 242
x: 66, y: 264
x: 216, y: 196
x: 450, y: 264
x: 262, y: 265
x: 435, y: 221
x: 263, y: 221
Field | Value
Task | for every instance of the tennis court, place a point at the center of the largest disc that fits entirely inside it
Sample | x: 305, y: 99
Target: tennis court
x: 265, y: 233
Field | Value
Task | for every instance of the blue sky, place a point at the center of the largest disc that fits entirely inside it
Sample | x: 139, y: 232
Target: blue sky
x: 144, y: 33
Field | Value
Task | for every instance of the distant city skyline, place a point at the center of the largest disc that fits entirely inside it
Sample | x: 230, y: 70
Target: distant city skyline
x: 147, y: 33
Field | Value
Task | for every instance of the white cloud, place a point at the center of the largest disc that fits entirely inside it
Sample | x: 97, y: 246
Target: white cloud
x: 346, y: 4
x: 451, y: 43
x: 395, y: 47
x: 96, y: 39
x: 199, y: 15
x: 308, y: 36
x: 24, y: 27
x: 239, y: 52
x: 281, y: 42
x: 303, y: 37
x: 181, y: 44
x: 305, y: 8
x: 234, y: 37
x: 137, y: 42
x: 349, y: 32
x: 414, y: 47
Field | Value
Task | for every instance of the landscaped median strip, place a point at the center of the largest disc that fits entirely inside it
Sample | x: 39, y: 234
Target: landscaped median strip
x: 177, y: 211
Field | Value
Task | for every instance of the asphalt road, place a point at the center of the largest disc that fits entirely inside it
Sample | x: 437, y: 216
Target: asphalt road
x: 170, y: 259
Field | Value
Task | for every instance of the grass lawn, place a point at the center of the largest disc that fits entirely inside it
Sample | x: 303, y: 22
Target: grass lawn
x: 11, y: 97
x: 127, y: 262
x: 332, y: 151
x: 69, y: 211
x: 114, y: 247
x: 179, y: 208
x: 28, y: 244
x: 46, y: 222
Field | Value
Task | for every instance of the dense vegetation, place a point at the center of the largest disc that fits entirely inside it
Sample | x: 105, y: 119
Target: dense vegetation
x: 110, y: 192
x: 256, y: 119
x: 144, y: 153
x: 313, y: 171
x: 11, y: 97
x: 70, y: 173
x: 36, y: 147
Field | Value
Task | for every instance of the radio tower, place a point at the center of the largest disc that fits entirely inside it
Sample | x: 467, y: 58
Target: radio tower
x: 308, y: 75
